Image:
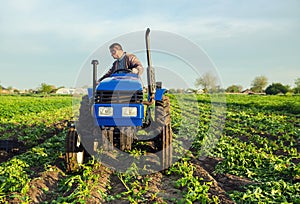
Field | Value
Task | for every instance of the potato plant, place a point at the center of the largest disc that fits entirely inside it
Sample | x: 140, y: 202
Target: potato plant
x: 258, y: 142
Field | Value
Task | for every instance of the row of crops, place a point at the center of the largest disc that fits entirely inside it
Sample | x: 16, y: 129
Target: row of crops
x: 253, y: 137
x: 30, y: 121
x: 260, y: 141
x: 30, y: 118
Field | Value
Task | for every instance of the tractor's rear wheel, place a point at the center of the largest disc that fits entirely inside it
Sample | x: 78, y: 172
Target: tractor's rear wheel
x: 163, y: 142
x: 74, y: 151
x: 86, y: 126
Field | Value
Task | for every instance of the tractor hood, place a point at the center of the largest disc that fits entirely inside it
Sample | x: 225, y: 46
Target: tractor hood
x: 123, y: 82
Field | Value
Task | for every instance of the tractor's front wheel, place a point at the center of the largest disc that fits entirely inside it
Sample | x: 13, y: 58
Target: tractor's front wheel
x: 74, y: 151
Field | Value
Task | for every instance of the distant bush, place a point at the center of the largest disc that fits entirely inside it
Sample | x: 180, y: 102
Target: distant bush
x: 276, y: 88
x: 234, y: 89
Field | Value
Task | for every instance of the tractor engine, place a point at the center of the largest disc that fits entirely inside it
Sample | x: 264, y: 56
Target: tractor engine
x: 117, y: 97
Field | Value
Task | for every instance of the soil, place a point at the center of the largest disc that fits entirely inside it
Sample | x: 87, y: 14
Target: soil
x: 47, y: 182
x: 161, y: 187
x: 19, y: 147
x: 44, y: 185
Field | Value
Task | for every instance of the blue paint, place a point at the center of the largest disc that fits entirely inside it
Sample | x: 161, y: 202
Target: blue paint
x: 159, y: 94
x: 122, y: 82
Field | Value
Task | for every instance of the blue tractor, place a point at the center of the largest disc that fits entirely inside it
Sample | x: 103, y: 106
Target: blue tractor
x: 114, y: 113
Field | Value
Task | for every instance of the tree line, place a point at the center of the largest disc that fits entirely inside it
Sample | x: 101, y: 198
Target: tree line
x: 208, y: 83
x: 43, y: 88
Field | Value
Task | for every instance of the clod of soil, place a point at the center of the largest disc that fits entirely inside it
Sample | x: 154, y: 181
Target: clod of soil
x: 47, y: 182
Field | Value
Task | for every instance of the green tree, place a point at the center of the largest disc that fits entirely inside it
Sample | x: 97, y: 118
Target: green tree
x: 297, y: 88
x: 207, y: 82
x: 259, y: 83
x: 9, y: 88
x: 276, y: 88
x: 46, y: 88
x: 234, y: 89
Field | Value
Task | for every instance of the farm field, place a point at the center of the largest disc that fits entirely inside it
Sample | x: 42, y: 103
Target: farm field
x: 256, y: 158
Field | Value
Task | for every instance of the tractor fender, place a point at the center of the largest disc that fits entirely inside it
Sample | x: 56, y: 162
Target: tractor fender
x: 159, y: 94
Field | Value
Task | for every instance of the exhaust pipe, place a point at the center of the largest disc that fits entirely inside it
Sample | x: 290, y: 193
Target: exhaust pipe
x: 150, y: 72
x: 95, y: 64
x: 150, y: 69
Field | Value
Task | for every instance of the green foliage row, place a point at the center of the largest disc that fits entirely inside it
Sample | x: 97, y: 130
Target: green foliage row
x: 193, y: 187
x: 11, y: 106
x: 259, y: 141
x: 30, y: 119
x: 16, y: 173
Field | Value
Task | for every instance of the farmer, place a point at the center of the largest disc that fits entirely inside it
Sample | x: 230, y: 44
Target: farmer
x: 123, y: 61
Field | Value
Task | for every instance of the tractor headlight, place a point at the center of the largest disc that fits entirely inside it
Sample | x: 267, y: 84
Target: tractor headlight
x: 129, y: 111
x: 105, y: 111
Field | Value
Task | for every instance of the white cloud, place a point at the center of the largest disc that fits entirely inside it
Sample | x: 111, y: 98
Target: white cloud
x: 70, y: 25
x: 64, y: 28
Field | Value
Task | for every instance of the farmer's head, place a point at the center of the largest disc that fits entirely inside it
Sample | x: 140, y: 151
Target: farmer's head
x: 116, y: 50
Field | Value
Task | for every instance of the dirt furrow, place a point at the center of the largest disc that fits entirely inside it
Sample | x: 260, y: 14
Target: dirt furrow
x: 42, y: 188
x: 12, y: 146
x: 99, y: 185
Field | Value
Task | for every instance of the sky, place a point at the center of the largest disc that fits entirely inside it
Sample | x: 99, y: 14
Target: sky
x: 50, y: 41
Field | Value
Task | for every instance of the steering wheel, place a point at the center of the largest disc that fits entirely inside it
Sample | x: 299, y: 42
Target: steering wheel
x: 122, y: 70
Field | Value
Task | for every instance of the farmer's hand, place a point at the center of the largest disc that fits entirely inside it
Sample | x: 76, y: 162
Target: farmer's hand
x: 135, y: 71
